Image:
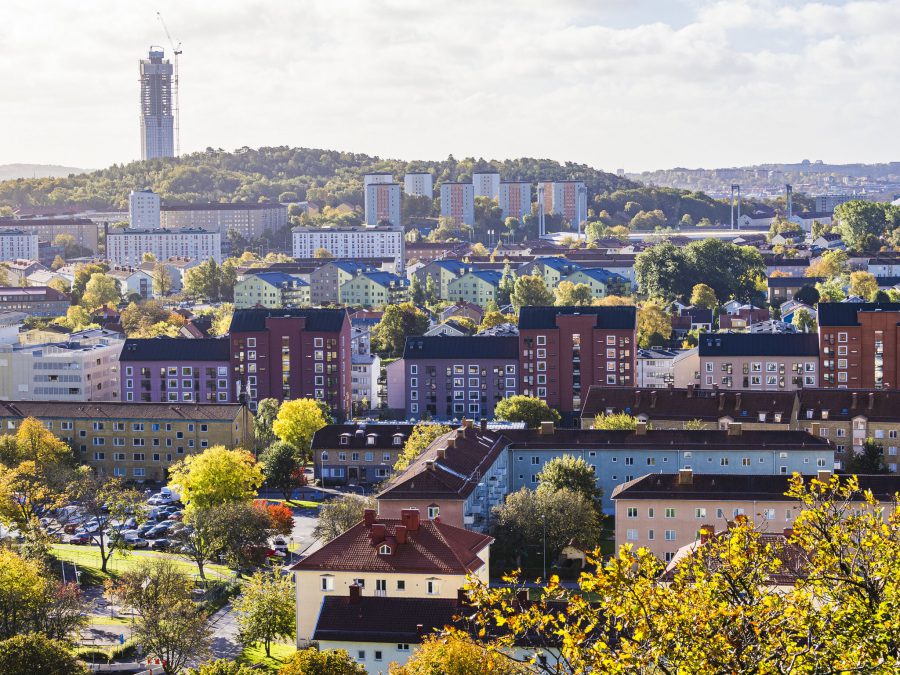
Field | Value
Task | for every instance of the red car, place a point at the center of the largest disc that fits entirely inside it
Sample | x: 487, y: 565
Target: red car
x: 80, y: 538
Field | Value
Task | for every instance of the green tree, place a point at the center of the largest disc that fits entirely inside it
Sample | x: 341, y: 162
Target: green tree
x: 860, y: 224
x: 397, y: 323
x: 416, y: 292
x: 863, y: 285
x: 804, y: 322
x: 35, y: 654
x: 322, y: 253
x: 77, y: 318
x: 340, y: 514
x: 830, y: 265
x: 456, y: 653
x: 615, y: 421
x: 830, y: 291
x: 869, y: 460
x: 281, y: 468
x: 263, y: 419
x: 223, y: 667
x: 421, y: 436
x: 58, y: 262
x: 703, y: 296
x: 244, y: 534
x: 266, y: 609
x: 296, y: 423
x: 101, y: 290
x: 808, y: 295
x: 431, y: 292
x: 527, y: 515
x: 216, y: 476
x: 162, y: 281
x: 507, y: 285
x: 654, y: 325
x: 530, y: 291
x: 528, y: 409
x: 205, y: 539
x: 570, y: 295
x: 167, y: 622
x: 311, y: 661
x: 571, y: 473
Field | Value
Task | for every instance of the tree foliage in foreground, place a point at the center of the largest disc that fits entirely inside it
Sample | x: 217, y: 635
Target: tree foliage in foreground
x: 718, y: 609
x: 528, y: 409
x: 326, y: 662
x: 266, y: 609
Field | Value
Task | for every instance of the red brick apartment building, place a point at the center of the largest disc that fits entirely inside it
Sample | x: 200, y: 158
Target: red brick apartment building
x: 859, y: 344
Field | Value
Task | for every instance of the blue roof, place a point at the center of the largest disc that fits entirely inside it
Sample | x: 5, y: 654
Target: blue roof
x: 602, y: 275
x: 557, y: 263
x: 279, y: 278
x: 349, y: 265
x: 493, y: 277
x: 451, y: 265
x: 386, y: 278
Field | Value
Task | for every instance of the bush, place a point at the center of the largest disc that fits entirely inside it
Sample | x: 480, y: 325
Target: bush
x: 92, y: 654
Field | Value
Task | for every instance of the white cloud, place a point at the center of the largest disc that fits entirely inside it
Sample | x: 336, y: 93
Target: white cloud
x: 638, y: 84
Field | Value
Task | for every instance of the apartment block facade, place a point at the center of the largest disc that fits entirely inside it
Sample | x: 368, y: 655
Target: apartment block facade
x: 759, y: 361
x: 570, y: 200
x: 351, y: 242
x: 136, y: 441
x: 143, y: 210
x: 515, y: 199
x: 34, y: 300
x: 565, y: 350
x: 458, y: 202
x: 18, y: 245
x: 173, y: 370
x: 271, y: 289
x: 291, y: 353
x: 357, y: 454
x: 486, y: 184
x: 382, y: 203
x: 374, y: 289
x: 454, y: 377
x: 248, y: 219
x: 127, y: 247
x: 860, y: 344
x: 418, y: 185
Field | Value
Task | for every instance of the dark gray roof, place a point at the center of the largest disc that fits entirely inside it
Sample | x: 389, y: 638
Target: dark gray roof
x: 357, y: 435
x: 462, y: 347
x: 378, y: 619
x: 759, y: 344
x: 620, y: 317
x: 793, y: 282
x: 318, y: 320
x: 844, y: 313
x: 175, y: 349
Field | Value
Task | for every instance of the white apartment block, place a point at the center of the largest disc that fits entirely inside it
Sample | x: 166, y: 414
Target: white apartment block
x: 127, y: 247
x: 18, y: 245
x: 86, y: 368
x: 383, y: 203
x: 458, y: 202
x: 515, y: 199
x: 374, y: 178
x: 661, y: 368
x: 143, y: 210
x: 487, y: 184
x: 248, y: 220
x: 352, y: 242
x: 418, y: 185
x: 569, y: 198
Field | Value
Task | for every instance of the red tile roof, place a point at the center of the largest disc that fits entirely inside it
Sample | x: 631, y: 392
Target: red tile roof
x: 435, y: 548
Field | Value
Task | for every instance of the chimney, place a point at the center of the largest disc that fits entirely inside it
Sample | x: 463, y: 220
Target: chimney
x: 461, y: 432
x: 690, y: 391
x: 369, y: 517
x: 637, y: 398
x: 442, y: 453
x: 410, y: 519
x: 377, y: 533
x: 400, y: 534
x: 788, y: 532
x: 735, y: 428
x: 467, y: 424
x: 653, y: 399
x: 854, y: 401
x: 685, y: 476
x: 640, y: 429
x: 737, y: 401
x: 420, y: 629
x: 871, y: 400
x: 462, y: 598
x: 824, y: 475
x: 451, y: 442
x: 546, y: 428
x: 429, y: 464
x: 484, y: 423
x: 721, y: 400
x: 355, y: 594
x: 706, y: 532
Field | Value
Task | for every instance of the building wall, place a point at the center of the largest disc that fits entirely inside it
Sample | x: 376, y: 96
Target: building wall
x: 515, y: 199
x: 418, y: 185
x: 157, y: 123
x: 18, y: 245
x: 382, y: 203
x: 250, y: 222
x: 127, y: 247
x: 361, y: 291
x: 47, y: 229
x: 471, y: 288
x: 569, y: 200
x: 473, y: 386
x: 458, y: 202
x: 191, y: 382
x: 759, y: 373
x: 486, y: 184
x: 380, y: 242
x: 851, y: 356
x: 450, y: 511
x: 143, y: 210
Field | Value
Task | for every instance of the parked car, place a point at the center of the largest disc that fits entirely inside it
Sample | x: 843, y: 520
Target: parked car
x: 160, y: 544
x: 145, y: 528
x: 135, y: 541
x: 280, y: 546
x: 80, y: 538
x: 159, y: 530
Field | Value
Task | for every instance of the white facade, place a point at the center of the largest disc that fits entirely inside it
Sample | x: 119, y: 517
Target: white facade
x: 366, y: 368
x: 18, y: 245
x: 383, y: 203
x: 248, y: 220
x: 356, y: 242
x: 418, y: 185
x: 487, y: 184
x: 375, y: 178
x: 84, y: 369
x: 157, y: 122
x: 143, y: 210
x: 662, y: 368
x: 515, y: 199
x: 127, y: 247
x: 458, y: 202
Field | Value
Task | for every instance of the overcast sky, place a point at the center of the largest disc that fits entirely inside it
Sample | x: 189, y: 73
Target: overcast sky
x: 634, y: 84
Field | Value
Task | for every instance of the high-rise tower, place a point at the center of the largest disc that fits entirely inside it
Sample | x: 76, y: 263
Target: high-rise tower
x: 157, y: 121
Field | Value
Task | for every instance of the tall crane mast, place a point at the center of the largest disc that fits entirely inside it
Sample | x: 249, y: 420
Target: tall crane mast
x: 176, y: 50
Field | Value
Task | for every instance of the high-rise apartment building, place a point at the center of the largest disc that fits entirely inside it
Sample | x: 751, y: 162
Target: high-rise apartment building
x: 418, y: 185
x: 292, y: 353
x: 383, y: 203
x: 143, y: 210
x: 248, y: 219
x: 458, y: 202
x: 127, y: 247
x: 351, y: 242
x: 859, y: 344
x: 157, y: 120
x: 487, y: 184
x: 515, y: 199
x: 565, y: 350
x: 18, y: 245
x: 569, y: 199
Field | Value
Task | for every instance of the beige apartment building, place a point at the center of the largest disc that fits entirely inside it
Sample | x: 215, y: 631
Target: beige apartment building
x: 135, y: 441
x: 759, y: 361
x: 664, y: 512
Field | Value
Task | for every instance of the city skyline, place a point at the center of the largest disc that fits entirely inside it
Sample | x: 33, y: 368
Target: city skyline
x: 699, y: 83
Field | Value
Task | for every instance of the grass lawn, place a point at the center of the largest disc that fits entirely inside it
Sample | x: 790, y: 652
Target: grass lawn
x: 296, y: 503
x: 87, y: 558
x: 281, y: 652
x: 107, y: 620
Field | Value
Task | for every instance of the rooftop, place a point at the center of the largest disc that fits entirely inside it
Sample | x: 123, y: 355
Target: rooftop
x: 466, y: 347
x: 176, y: 349
x: 317, y: 320
x: 845, y: 404
x: 844, y: 313
x: 759, y: 344
x: 622, y: 318
x: 377, y: 436
x: 109, y: 410
x: 223, y: 206
x: 383, y: 619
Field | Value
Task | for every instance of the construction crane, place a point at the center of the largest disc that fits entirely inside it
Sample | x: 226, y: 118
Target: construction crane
x: 176, y: 50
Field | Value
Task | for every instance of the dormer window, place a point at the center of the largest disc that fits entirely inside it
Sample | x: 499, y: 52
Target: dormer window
x: 809, y: 414
x: 777, y: 418
x: 398, y: 439
x: 345, y: 439
x: 370, y: 439
x: 384, y: 549
x: 824, y: 414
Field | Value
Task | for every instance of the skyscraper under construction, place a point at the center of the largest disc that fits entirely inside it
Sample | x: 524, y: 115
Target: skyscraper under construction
x: 157, y: 121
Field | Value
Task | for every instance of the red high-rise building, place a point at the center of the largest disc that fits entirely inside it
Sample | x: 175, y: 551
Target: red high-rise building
x: 292, y: 353
x: 565, y: 350
x: 859, y: 344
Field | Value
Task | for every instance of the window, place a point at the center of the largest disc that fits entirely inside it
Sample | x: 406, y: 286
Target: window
x: 632, y: 512
x: 700, y: 512
x: 433, y: 512
x: 670, y: 535
x: 384, y: 549
x: 401, y: 585
x: 402, y: 647
x: 632, y: 535
x: 670, y: 513
x: 542, y: 339
x: 327, y: 582
x: 433, y: 587
x: 378, y: 655
x: 360, y: 654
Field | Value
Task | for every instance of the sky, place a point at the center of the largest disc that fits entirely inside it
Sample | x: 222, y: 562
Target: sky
x: 633, y: 84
